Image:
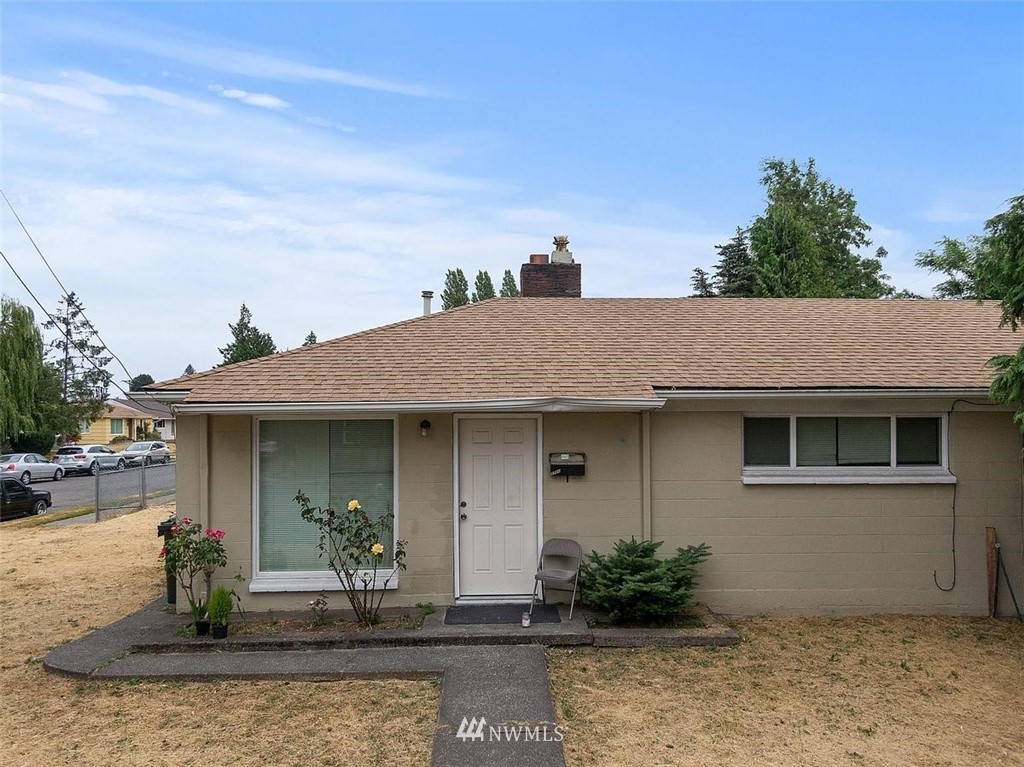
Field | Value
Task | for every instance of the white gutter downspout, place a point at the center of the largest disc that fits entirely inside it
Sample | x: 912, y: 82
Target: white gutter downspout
x: 645, y: 476
x: 204, y: 472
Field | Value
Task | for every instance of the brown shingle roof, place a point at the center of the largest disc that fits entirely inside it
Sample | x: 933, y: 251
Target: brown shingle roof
x: 622, y: 348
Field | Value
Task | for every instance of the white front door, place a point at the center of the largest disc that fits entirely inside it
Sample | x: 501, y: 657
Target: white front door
x: 497, y: 506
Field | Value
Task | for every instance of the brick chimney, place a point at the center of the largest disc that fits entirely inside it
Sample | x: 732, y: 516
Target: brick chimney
x: 557, y: 276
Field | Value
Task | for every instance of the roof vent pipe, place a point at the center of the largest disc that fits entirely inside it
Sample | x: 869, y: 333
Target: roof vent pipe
x: 427, y: 296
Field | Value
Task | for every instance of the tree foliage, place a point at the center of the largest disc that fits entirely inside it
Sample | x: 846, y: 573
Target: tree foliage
x: 189, y: 370
x: 139, y: 381
x: 22, y: 369
x: 483, y: 287
x: 959, y: 262
x: 248, y: 342
x: 456, y: 289
x: 1002, y: 268
x: 806, y: 243
x: 509, y: 288
x: 310, y: 339
x: 701, y: 283
x: 79, y: 364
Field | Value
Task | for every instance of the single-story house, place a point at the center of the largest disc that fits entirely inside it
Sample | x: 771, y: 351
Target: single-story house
x: 839, y: 456
x: 159, y: 414
x: 120, y: 419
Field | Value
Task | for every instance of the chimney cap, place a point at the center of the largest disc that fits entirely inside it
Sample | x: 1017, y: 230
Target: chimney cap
x: 539, y: 258
x: 427, y: 294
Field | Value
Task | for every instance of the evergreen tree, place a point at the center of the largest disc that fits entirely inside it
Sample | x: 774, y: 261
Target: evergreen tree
x: 484, y: 288
x: 189, y: 370
x: 248, y: 342
x: 509, y: 289
x: 22, y: 370
x: 701, y: 283
x: 788, y: 263
x: 80, y: 360
x: 310, y: 339
x: 456, y: 290
x: 734, y: 272
x: 142, y: 379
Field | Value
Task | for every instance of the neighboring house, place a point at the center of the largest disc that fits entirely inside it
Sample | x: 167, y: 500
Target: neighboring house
x: 159, y: 414
x: 832, y: 452
x: 121, y: 419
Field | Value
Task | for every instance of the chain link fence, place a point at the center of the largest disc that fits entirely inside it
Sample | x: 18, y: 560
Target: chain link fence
x: 133, y: 488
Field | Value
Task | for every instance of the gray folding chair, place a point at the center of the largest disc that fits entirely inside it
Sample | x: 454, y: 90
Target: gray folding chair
x: 561, y: 549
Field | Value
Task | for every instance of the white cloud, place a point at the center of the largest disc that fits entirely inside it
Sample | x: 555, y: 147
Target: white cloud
x: 265, y: 100
x: 223, y: 55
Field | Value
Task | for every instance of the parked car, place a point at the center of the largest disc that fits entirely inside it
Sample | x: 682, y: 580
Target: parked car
x: 146, y: 452
x: 88, y: 459
x: 30, y: 466
x: 19, y: 500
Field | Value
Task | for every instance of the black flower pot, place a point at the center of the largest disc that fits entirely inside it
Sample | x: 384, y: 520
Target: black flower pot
x: 202, y: 628
x: 220, y: 630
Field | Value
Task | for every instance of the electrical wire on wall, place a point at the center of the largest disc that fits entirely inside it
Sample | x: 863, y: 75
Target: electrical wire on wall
x: 952, y: 506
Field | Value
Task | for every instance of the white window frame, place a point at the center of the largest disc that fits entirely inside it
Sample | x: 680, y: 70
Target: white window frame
x: 312, y: 580
x: 849, y: 475
x: 117, y: 433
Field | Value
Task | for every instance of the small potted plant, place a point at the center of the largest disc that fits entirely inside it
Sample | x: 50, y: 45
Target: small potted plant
x: 219, y: 610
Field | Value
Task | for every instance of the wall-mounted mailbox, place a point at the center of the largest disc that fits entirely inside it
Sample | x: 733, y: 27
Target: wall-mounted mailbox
x: 568, y: 464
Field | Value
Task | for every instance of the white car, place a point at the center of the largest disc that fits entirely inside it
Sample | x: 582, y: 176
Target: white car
x: 29, y: 466
x: 88, y: 459
x: 147, y: 453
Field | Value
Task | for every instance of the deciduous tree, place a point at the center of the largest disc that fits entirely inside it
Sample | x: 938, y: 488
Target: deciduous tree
x: 509, y: 288
x: 456, y: 289
x: 483, y: 287
x: 22, y: 369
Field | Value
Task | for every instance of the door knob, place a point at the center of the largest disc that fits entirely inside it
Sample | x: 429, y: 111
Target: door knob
x: 462, y: 505
x: 463, y: 515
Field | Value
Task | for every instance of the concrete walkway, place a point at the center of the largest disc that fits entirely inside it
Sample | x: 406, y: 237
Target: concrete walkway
x: 496, y: 706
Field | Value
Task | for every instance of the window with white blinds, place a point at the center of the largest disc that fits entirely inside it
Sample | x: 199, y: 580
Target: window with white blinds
x: 332, y: 462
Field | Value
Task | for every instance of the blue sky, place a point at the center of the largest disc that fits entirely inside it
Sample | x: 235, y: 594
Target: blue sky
x: 325, y: 162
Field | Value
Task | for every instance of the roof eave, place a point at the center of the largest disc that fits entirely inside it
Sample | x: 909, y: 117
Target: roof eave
x: 825, y: 392
x: 525, y: 404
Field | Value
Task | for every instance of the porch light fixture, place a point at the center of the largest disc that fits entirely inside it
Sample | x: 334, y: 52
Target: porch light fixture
x: 424, y: 427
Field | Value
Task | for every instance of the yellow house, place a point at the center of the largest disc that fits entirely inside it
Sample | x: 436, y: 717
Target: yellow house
x: 120, y: 420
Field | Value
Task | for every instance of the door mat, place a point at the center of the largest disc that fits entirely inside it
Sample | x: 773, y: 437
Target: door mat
x: 464, y: 615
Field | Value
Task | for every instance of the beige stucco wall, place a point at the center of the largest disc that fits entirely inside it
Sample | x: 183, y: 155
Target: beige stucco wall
x: 836, y: 549
x: 224, y: 443
x: 832, y: 549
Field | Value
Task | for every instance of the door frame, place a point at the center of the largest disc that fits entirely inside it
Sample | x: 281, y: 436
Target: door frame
x: 457, y: 419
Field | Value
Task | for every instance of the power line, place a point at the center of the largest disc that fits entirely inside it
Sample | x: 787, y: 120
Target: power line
x: 62, y: 331
x: 66, y: 293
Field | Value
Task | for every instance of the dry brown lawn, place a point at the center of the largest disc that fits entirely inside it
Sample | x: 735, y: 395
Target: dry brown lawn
x: 896, y: 691
x: 57, y: 583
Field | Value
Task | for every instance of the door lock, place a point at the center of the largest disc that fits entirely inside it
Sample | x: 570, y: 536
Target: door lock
x: 463, y: 515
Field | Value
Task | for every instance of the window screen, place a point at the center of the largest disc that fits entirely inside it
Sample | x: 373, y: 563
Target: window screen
x: 332, y: 462
x: 918, y: 441
x: 766, y: 441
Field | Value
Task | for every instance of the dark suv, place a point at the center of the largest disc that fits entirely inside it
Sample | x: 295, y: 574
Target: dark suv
x: 19, y: 500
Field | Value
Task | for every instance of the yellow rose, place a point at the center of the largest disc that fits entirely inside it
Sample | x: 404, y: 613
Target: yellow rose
x: 353, y: 505
x: 377, y: 549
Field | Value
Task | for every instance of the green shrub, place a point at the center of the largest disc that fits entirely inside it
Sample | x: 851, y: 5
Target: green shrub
x: 219, y: 607
x: 633, y: 586
x: 32, y: 442
x: 120, y: 440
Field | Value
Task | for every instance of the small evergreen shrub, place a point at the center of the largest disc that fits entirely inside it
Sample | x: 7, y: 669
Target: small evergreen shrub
x: 32, y: 442
x: 633, y: 586
x: 219, y: 607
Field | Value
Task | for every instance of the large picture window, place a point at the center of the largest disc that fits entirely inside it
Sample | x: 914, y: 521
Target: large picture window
x: 827, y: 446
x: 332, y: 462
